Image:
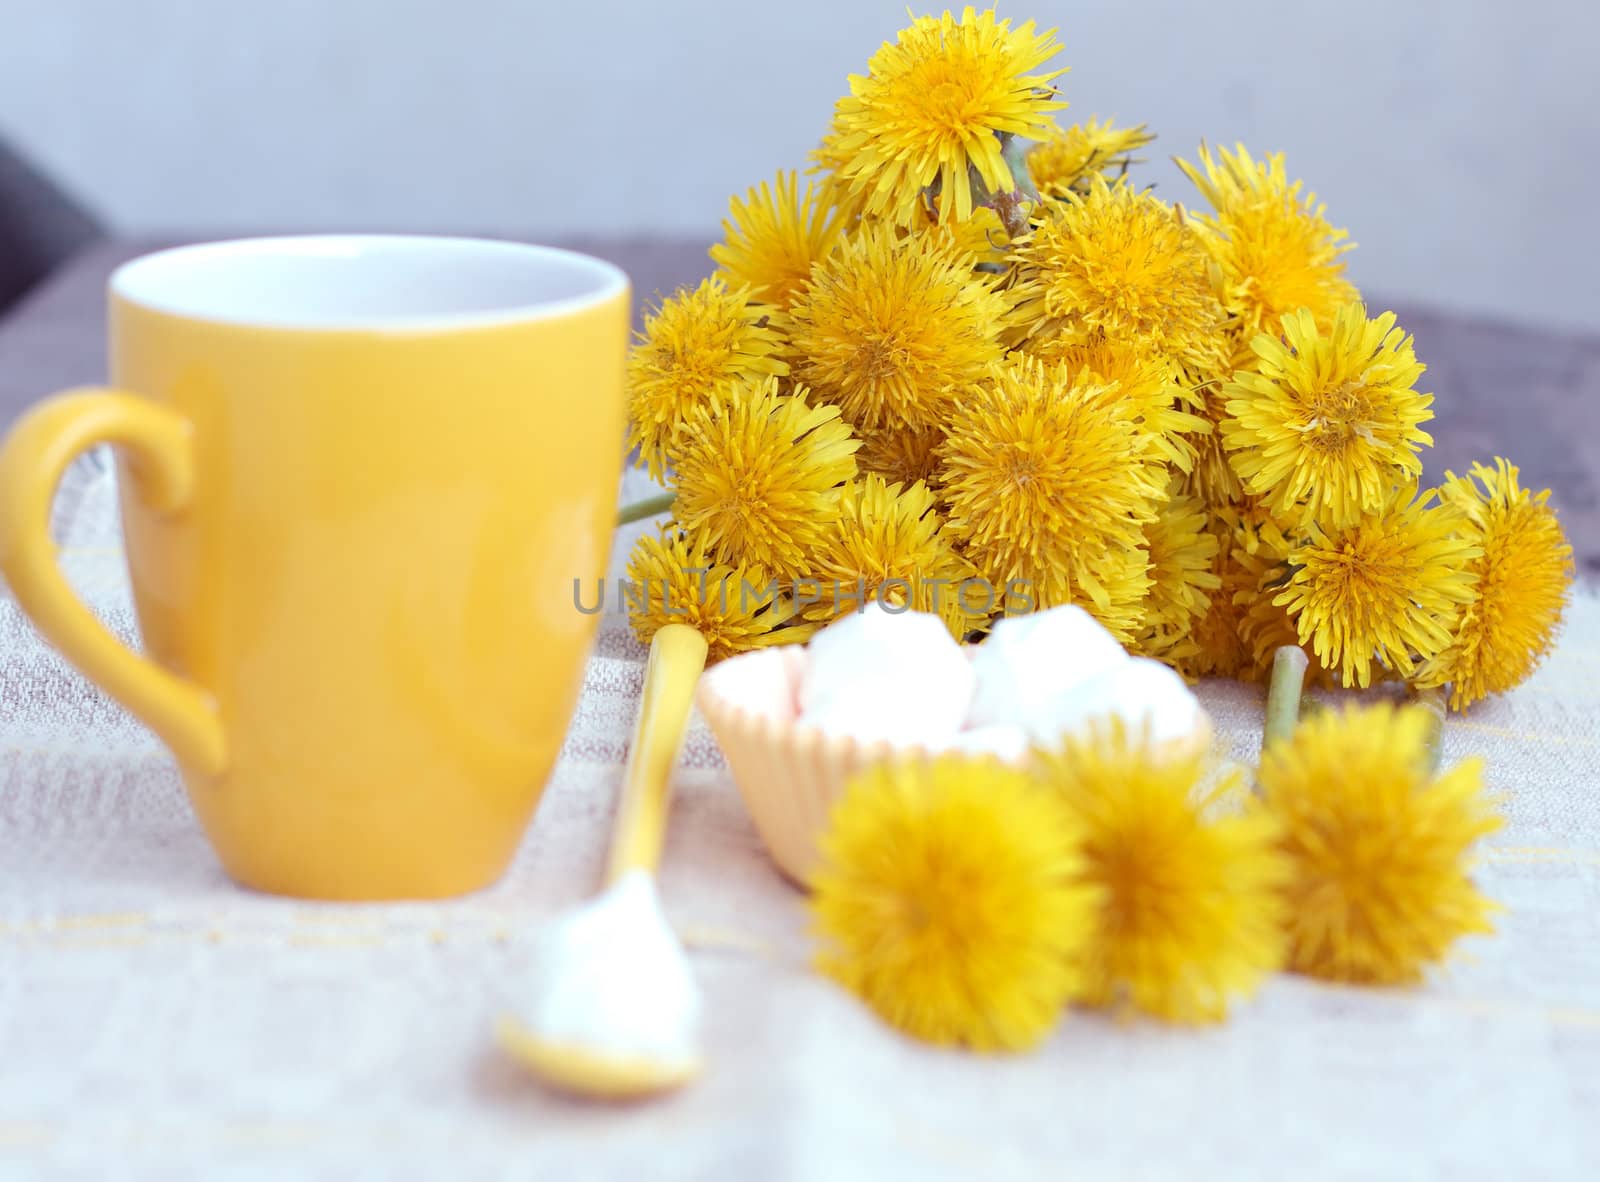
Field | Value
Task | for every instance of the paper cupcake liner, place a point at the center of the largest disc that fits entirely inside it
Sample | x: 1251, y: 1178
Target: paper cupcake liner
x: 790, y: 776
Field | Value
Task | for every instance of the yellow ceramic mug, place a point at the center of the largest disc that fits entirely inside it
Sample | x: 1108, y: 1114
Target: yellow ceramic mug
x: 359, y: 476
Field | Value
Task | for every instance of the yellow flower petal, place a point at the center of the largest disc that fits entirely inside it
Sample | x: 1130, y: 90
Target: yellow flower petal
x: 774, y: 235
x: 1328, y: 422
x: 1524, y: 577
x: 931, y: 106
x: 1275, y: 248
x: 949, y: 899
x: 1378, y: 846
x: 758, y: 479
x: 1117, y: 264
x: 890, y: 328
x: 1189, y: 911
x: 1050, y: 479
x: 1388, y: 589
x: 1065, y: 162
x: 696, y: 349
x: 671, y: 580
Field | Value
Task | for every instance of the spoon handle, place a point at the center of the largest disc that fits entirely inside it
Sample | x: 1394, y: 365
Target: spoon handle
x: 677, y: 658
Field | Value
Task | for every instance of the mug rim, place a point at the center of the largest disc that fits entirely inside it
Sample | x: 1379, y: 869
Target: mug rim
x: 139, y: 281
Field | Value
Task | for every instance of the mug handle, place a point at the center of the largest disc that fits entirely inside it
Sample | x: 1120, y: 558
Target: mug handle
x: 33, y: 459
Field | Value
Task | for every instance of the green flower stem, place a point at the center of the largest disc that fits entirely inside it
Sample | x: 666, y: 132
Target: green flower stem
x: 1010, y: 205
x: 1289, y: 665
x: 1432, y: 701
x: 649, y: 507
x: 1014, y: 151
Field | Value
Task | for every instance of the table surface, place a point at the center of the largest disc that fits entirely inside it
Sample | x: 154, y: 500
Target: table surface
x: 1530, y: 396
x: 157, y: 1021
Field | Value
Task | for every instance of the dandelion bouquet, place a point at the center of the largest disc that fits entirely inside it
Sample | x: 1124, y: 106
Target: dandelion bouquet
x: 969, y: 365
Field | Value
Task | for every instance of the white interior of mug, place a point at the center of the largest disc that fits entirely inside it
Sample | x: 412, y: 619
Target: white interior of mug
x: 366, y: 282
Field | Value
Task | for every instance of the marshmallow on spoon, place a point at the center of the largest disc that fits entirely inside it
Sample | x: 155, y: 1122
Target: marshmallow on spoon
x: 877, y: 675
x: 1141, y: 692
x: 1029, y: 661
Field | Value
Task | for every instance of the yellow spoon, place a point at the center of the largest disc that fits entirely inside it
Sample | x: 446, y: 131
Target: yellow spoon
x: 615, y: 1011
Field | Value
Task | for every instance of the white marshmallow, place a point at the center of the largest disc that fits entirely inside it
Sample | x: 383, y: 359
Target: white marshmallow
x: 881, y: 675
x: 762, y: 682
x: 1005, y: 740
x: 1140, y: 692
x: 1029, y: 661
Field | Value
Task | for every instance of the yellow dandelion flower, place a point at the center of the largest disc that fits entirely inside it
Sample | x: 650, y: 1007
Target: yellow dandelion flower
x: 1065, y: 162
x: 1524, y: 575
x: 1329, y: 422
x: 890, y: 328
x: 1189, y: 912
x: 983, y: 236
x: 695, y: 351
x: 1117, y: 264
x: 1049, y: 482
x: 1242, y: 627
x: 933, y: 105
x: 1167, y: 409
x: 1216, y: 644
x: 671, y: 580
x: 949, y: 900
x: 1388, y: 589
x: 1183, y: 556
x: 1116, y: 598
x: 774, y: 235
x: 1211, y: 477
x: 827, y: 160
x: 887, y: 543
x: 1378, y: 845
x: 1265, y: 625
x: 901, y: 455
x: 1141, y: 373
x: 758, y: 481
x: 1274, y: 245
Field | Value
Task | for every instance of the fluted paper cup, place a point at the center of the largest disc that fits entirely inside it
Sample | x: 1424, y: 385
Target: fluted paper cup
x: 790, y: 775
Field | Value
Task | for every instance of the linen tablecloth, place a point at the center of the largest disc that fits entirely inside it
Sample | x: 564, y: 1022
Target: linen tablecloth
x: 156, y: 1020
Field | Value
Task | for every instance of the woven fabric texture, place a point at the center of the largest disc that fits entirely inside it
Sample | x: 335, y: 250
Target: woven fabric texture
x: 156, y: 1020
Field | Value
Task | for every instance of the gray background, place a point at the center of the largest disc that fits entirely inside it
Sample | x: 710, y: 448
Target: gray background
x: 1457, y: 141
